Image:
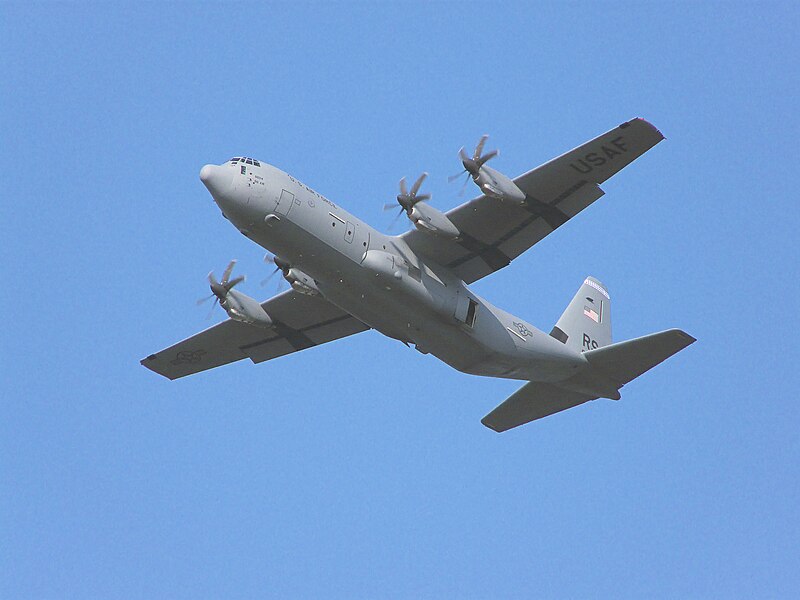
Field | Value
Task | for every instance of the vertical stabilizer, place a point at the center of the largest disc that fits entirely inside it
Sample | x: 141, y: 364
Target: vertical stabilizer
x: 586, y: 324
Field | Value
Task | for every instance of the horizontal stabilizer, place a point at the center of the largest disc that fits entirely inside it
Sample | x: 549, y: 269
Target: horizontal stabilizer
x: 625, y: 361
x: 532, y: 401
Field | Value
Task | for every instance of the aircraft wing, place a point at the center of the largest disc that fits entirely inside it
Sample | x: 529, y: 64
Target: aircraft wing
x: 493, y: 232
x: 300, y: 322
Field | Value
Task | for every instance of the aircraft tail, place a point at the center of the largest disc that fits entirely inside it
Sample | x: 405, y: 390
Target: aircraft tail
x: 586, y: 324
x: 625, y: 361
x: 611, y: 367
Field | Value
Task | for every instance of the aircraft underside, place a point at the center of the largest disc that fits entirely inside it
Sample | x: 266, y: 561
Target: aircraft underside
x: 347, y: 277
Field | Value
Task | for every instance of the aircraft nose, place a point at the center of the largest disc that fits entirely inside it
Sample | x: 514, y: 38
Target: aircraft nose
x: 206, y: 173
x: 215, y: 178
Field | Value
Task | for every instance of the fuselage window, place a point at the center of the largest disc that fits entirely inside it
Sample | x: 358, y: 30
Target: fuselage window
x: 249, y: 161
x: 256, y: 163
x: 244, y: 170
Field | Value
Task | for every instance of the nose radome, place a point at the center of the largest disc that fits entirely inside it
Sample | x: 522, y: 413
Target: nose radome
x: 216, y: 179
x: 206, y: 173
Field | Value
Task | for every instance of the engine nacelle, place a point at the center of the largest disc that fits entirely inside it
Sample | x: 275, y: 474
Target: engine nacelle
x: 496, y: 185
x: 241, y: 307
x: 301, y: 282
x: 426, y: 218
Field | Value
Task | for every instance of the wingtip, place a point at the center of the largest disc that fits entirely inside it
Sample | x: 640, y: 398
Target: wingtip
x: 150, y: 363
x: 646, y: 123
x: 687, y: 339
x: 486, y: 423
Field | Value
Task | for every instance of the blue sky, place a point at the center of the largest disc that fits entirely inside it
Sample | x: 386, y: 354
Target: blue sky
x: 360, y: 468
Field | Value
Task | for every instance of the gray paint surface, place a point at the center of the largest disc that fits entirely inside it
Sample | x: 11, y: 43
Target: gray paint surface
x: 348, y: 277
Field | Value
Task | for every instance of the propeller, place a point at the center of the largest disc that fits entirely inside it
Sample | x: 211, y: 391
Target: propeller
x: 407, y: 199
x: 280, y: 265
x: 220, y: 289
x: 472, y: 164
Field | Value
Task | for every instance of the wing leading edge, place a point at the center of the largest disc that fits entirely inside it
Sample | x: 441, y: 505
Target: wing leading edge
x: 493, y: 233
x: 300, y: 322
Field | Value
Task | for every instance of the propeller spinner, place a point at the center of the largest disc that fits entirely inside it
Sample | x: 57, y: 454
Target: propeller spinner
x: 300, y: 281
x: 280, y: 266
x: 421, y: 214
x: 472, y: 164
x: 239, y: 306
x: 491, y: 182
x: 220, y: 289
x: 408, y: 199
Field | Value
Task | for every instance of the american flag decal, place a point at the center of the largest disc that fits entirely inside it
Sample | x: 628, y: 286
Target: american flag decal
x: 591, y: 313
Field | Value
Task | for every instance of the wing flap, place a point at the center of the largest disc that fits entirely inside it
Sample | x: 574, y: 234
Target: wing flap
x: 532, y: 401
x: 300, y: 322
x: 538, y: 224
x: 287, y: 340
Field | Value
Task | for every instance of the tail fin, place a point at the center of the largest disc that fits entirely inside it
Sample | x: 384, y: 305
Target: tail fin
x: 586, y: 324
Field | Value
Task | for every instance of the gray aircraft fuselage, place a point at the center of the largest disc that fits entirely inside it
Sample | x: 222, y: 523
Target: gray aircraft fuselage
x: 379, y: 280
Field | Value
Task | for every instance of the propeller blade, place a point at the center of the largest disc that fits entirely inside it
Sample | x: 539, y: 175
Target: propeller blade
x: 479, y: 147
x: 463, y: 154
x: 487, y: 157
x: 417, y: 184
x: 452, y: 178
x: 213, y: 306
x: 226, y: 275
x: 422, y: 198
x: 204, y: 300
x: 403, y: 189
x: 269, y: 259
x: 390, y: 206
x: 235, y: 282
x: 464, y: 186
x: 211, y: 279
x: 265, y: 281
x: 397, y: 216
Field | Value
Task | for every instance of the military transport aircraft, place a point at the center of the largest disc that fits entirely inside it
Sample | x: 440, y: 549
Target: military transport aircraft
x: 347, y: 277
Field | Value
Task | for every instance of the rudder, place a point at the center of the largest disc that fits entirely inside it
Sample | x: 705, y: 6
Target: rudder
x: 586, y: 323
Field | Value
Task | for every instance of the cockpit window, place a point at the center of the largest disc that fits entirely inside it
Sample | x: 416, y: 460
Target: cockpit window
x: 245, y: 160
